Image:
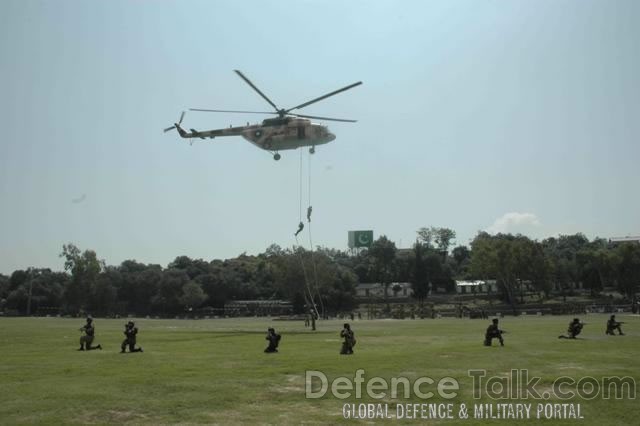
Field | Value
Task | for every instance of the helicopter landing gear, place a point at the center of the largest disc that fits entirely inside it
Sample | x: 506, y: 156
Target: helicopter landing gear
x: 276, y: 156
x: 312, y: 150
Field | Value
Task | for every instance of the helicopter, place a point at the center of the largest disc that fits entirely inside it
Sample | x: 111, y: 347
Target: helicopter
x: 286, y: 131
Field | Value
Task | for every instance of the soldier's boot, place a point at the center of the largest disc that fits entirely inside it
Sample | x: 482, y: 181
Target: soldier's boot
x: 81, y: 348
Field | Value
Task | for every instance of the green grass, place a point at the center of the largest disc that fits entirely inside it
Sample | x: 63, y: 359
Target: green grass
x: 214, y: 371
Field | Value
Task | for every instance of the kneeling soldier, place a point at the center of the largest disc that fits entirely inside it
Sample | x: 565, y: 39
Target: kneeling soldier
x: 493, y: 332
x: 575, y: 328
x: 130, y: 331
x: 89, y: 334
x: 274, y: 340
x: 612, y: 325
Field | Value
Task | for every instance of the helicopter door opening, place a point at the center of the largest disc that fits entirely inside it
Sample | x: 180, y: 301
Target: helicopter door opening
x: 301, y: 132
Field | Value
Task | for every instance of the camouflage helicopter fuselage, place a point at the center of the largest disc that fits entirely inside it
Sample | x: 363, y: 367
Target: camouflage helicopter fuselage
x: 287, y: 131
x: 274, y: 134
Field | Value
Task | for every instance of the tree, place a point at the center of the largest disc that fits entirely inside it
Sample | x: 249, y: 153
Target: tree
x: 4, y: 289
x: 334, y: 283
x: 192, y: 295
x: 506, y: 258
x: 138, y: 285
x: 167, y: 299
x: 562, y: 253
x: 628, y: 268
x: 427, y: 236
x: 419, y: 277
x: 215, y: 286
x: 383, y: 253
x: 462, y: 257
x: 292, y: 279
x: 274, y: 250
x: 105, y: 291
x: 595, y: 265
x: 42, y: 289
x: 443, y: 238
x: 84, y: 268
x: 193, y: 268
x: 434, y: 237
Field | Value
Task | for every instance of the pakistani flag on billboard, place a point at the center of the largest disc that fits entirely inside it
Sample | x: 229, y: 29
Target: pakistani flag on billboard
x: 358, y: 239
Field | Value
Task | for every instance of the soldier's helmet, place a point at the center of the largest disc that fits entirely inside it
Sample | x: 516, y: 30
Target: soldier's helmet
x: 495, y: 320
x: 613, y: 317
x: 130, y: 324
x: 270, y: 329
x: 346, y: 325
x: 576, y: 320
x: 89, y: 319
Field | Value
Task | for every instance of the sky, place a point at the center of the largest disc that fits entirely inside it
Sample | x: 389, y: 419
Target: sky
x: 504, y: 116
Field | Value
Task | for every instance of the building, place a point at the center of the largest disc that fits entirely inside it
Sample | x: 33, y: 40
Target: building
x: 376, y: 290
x: 477, y: 287
x: 619, y: 240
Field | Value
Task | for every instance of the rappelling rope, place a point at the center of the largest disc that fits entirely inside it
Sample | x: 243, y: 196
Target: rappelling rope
x: 306, y: 278
x: 304, y: 269
x: 313, y: 262
x: 300, y: 195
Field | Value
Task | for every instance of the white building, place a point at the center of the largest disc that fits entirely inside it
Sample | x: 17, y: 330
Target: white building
x: 394, y: 291
x: 477, y: 287
x: 618, y: 240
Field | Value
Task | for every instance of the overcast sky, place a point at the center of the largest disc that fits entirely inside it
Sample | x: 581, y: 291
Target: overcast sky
x: 506, y: 116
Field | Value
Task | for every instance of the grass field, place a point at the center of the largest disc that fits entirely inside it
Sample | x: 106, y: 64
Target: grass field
x: 215, y: 371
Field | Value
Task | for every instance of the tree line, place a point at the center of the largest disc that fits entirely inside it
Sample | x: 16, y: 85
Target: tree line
x: 326, y: 276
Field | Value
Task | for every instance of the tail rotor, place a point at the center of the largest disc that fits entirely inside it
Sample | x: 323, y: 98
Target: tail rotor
x: 175, y: 125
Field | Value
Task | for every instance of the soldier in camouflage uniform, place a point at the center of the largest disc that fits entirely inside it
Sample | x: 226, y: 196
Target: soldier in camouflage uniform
x: 575, y: 328
x: 613, y: 325
x: 493, y: 332
x: 274, y: 341
x: 89, y: 334
x: 349, y: 340
x: 131, y: 332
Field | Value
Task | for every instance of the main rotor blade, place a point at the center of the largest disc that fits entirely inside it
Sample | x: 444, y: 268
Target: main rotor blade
x: 324, y: 118
x: 226, y: 110
x: 169, y: 128
x: 325, y: 96
x: 181, y: 117
x: 256, y: 89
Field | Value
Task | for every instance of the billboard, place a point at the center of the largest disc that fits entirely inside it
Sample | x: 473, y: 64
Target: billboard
x: 358, y: 239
